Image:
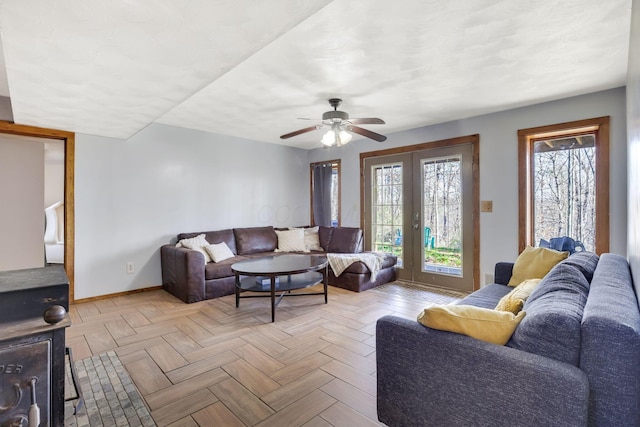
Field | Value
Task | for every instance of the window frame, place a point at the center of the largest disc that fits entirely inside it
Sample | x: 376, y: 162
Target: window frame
x: 526, y: 137
x: 334, y: 163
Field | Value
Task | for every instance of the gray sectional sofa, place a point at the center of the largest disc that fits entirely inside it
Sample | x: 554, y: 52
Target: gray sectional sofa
x: 574, y: 360
x: 188, y: 277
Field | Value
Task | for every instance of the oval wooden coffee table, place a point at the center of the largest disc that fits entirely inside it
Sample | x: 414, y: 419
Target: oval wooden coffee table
x: 280, y: 274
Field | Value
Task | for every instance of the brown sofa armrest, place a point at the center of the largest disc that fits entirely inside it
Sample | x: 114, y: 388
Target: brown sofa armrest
x: 183, y: 273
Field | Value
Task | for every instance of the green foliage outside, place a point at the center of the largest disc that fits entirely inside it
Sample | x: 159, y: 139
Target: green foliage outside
x: 388, y: 249
x: 443, y: 256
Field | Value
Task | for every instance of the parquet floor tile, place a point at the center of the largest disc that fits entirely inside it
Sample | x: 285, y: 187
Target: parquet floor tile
x: 210, y: 363
x: 216, y: 415
x: 352, y: 397
x: 244, y: 405
x: 181, y: 407
x: 185, y: 388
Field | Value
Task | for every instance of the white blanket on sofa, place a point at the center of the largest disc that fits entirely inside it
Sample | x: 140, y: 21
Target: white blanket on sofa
x: 340, y: 262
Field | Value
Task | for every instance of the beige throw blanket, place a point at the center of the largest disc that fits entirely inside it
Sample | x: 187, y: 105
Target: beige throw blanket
x: 340, y: 262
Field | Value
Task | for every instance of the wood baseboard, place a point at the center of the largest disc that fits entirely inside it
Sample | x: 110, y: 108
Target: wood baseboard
x: 117, y: 294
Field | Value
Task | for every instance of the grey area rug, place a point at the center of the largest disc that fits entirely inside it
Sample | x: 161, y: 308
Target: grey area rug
x: 109, y: 396
x: 419, y: 292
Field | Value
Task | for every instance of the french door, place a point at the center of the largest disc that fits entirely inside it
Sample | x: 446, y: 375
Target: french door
x: 419, y: 205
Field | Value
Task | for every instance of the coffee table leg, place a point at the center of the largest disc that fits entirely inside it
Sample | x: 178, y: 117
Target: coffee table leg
x: 237, y: 290
x: 325, y: 282
x: 273, y: 299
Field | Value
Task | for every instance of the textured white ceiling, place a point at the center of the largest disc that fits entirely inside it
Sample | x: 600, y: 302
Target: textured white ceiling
x: 251, y: 69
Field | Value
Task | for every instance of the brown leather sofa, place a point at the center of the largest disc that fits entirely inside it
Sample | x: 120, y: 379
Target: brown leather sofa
x: 185, y: 274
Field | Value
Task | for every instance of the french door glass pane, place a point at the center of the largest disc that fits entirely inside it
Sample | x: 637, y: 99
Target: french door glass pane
x: 564, y: 189
x: 442, y: 214
x: 335, y: 199
x: 386, y: 223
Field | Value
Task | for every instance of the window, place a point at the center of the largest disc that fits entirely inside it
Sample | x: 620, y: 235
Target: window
x: 325, y: 193
x: 564, y: 184
x: 387, y: 209
x: 442, y: 215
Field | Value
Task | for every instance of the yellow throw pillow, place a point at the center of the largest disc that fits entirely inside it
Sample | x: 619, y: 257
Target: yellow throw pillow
x: 514, y: 300
x: 482, y: 323
x: 534, y: 263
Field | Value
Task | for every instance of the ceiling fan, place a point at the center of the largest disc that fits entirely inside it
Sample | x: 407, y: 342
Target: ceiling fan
x: 340, y: 125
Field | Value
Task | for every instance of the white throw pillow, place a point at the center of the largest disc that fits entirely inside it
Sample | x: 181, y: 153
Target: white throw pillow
x: 197, y: 244
x: 311, y: 238
x: 291, y: 240
x: 219, y: 251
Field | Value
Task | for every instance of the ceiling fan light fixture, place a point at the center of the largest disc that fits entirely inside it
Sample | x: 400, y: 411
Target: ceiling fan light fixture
x: 336, y: 136
x: 344, y: 137
x: 329, y: 138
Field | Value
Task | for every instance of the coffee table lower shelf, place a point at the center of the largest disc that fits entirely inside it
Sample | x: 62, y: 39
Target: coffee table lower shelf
x: 278, y: 287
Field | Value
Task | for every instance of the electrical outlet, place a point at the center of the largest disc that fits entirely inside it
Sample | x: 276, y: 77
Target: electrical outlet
x: 131, y: 267
x: 486, y: 206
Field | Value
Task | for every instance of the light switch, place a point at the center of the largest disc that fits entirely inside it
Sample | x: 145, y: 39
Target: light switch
x: 486, y: 206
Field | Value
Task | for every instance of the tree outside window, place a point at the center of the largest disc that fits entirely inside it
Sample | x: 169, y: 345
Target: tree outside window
x: 564, y: 189
x: 563, y: 184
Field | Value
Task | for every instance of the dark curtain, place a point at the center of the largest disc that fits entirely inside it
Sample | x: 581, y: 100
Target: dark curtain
x: 322, y: 194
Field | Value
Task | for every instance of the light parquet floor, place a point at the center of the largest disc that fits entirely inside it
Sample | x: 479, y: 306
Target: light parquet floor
x: 212, y: 364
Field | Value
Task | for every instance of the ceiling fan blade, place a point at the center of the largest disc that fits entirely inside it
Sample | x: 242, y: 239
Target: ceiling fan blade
x: 367, y: 133
x: 301, y: 131
x: 368, y: 121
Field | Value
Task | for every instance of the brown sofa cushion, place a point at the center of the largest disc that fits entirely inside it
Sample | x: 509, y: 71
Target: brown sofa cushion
x: 345, y: 240
x: 255, y: 239
x: 361, y: 268
x: 324, y: 233
x: 213, y: 237
x: 217, y: 270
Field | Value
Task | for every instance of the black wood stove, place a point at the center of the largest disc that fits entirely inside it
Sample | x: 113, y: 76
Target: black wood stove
x: 33, y: 318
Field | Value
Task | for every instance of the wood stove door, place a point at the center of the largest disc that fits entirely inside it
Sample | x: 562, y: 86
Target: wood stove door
x: 25, y: 384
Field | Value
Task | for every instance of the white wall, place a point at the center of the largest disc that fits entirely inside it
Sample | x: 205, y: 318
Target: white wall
x: 21, y: 202
x: 633, y: 117
x: 6, y: 112
x: 499, y: 168
x: 53, y: 171
x: 133, y: 196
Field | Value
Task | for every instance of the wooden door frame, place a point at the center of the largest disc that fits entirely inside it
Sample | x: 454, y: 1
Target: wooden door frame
x: 474, y: 140
x: 69, y: 174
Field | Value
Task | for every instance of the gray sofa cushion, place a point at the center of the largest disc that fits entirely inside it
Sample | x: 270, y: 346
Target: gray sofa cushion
x: 611, y: 345
x: 551, y: 327
x: 487, y: 296
x: 586, y: 262
x: 503, y: 272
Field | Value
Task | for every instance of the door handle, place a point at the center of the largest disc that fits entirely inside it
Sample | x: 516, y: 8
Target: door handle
x: 416, y: 221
